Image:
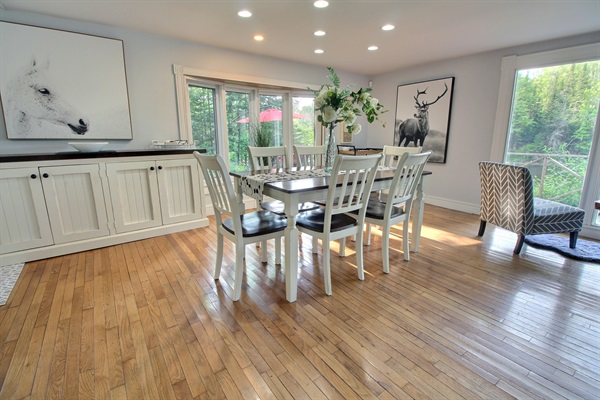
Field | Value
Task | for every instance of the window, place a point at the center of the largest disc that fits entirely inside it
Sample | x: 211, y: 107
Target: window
x: 210, y: 106
x: 238, y: 129
x: 203, y: 117
x: 547, y: 120
x: 303, y: 109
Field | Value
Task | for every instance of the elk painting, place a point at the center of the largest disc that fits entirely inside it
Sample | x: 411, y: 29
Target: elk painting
x: 423, y: 116
x: 62, y: 85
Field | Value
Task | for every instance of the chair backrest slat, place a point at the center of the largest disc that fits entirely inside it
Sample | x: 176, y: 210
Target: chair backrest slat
x: 309, y: 156
x: 267, y: 158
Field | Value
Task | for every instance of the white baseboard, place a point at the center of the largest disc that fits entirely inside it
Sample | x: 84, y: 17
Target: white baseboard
x: 452, y: 204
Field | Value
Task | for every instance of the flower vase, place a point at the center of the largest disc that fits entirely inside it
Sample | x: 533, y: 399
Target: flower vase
x: 330, y: 150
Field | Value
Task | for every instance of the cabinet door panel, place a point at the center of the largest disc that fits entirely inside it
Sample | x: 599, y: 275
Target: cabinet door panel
x: 178, y: 183
x: 24, y: 220
x: 75, y: 202
x: 134, y: 195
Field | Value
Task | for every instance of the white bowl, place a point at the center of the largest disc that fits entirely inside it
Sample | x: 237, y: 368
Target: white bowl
x: 88, y: 147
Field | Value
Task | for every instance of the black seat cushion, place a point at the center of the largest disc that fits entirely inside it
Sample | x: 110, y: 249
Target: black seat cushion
x: 278, y: 207
x: 314, y: 220
x: 376, y: 209
x: 258, y: 223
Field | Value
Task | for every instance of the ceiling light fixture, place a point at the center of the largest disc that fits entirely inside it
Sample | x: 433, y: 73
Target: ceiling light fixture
x: 372, y: 48
x: 388, y: 27
x: 321, y: 3
x: 319, y: 51
x: 245, y: 14
x: 259, y: 38
x: 319, y: 33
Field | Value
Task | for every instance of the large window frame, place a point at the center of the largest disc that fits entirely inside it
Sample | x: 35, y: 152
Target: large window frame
x: 223, y: 82
x: 510, y: 66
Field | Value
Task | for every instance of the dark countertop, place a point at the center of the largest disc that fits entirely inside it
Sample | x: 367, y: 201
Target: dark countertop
x: 75, y: 155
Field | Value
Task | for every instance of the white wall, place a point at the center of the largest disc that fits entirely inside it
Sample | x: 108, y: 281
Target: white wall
x: 455, y: 184
x: 151, y: 83
x: 149, y: 61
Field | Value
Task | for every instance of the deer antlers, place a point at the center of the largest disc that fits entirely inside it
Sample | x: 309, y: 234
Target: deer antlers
x: 424, y: 103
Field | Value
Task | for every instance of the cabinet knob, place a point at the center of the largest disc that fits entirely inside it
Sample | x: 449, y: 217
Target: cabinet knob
x: 151, y: 168
x: 160, y: 167
x: 45, y: 175
x: 33, y: 176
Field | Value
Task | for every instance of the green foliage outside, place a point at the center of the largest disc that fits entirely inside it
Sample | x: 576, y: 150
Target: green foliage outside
x: 554, y: 113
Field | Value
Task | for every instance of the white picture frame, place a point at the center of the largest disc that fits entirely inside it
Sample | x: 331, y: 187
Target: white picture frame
x: 56, y: 84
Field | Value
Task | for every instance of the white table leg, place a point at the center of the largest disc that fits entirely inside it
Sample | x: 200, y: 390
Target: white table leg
x: 417, y: 217
x: 291, y: 249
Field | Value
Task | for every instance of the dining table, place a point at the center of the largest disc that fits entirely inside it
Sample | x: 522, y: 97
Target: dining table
x: 298, y: 188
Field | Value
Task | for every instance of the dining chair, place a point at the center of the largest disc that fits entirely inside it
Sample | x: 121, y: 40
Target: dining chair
x: 264, y: 159
x: 309, y: 156
x: 398, y: 206
x: 239, y: 227
x: 391, y: 156
x: 350, y: 184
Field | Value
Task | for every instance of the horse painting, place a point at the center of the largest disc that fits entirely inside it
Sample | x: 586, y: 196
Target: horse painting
x: 33, y: 99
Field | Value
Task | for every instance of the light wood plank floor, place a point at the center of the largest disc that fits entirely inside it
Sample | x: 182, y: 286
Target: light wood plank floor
x: 463, y: 319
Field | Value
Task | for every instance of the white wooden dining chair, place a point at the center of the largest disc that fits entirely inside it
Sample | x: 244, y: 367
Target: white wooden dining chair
x: 239, y: 227
x: 391, y: 156
x: 309, y: 156
x: 399, y: 203
x: 264, y: 159
x: 356, y: 175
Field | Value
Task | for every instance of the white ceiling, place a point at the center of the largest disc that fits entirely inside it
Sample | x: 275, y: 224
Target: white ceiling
x: 426, y: 30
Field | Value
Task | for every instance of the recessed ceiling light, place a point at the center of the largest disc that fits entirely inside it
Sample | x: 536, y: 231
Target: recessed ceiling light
x: 388, y: 27
x: 259, y: 38
x: 320, y: 33
x: 321, y: 3
x: 245, y: 14
x: 372, y: 48
x: 319, y: 51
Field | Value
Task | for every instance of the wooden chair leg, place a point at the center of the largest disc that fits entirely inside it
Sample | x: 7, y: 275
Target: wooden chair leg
x: 342, y: 252
x: 217, y: 272
x: 573, y: 239
x: 315, y: 245
x: 263, y: 251
x: 481, y: 227
x: 278, y: 251
x: 519, y: 244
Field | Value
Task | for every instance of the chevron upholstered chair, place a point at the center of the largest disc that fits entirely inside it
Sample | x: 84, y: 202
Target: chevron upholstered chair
x: 507, y: 201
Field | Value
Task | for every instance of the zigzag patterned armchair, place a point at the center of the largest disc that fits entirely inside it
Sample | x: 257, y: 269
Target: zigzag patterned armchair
x: 507, y: 201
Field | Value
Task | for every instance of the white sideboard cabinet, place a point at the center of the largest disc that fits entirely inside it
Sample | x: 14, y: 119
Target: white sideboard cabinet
x: 152, y: 193
x: 63, y: 204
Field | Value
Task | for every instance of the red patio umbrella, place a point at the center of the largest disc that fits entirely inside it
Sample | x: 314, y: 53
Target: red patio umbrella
x: 272, y: 114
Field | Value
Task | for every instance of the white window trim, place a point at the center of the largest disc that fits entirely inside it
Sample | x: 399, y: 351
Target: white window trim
x: 510, y: 66
x: 185, y: 75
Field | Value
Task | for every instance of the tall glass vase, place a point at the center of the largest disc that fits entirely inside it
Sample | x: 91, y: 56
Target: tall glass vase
x: 330, y: 149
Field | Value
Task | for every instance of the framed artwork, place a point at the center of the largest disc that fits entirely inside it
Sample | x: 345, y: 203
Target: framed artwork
x: 62, y: 85
x: 345, y: 136
x: 423, y: 116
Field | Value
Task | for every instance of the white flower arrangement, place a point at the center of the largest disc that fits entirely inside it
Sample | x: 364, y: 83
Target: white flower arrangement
x: 343, y: 105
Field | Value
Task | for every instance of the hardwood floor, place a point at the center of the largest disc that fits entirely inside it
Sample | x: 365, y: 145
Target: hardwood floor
x: 463, y: 319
